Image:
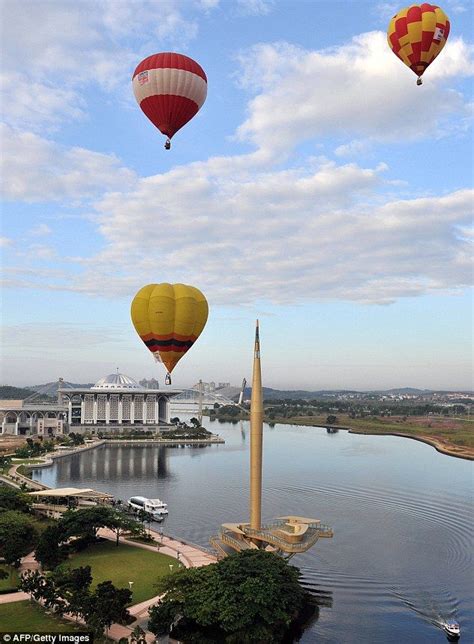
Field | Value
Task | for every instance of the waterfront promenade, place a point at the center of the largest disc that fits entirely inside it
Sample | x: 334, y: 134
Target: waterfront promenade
x: 186, y: 554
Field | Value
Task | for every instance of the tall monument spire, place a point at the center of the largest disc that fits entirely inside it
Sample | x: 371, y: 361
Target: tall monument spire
x: 286, y: 535
x: 256, y: 438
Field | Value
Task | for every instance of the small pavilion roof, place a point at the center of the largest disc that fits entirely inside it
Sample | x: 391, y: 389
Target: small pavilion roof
x: 87, y: 493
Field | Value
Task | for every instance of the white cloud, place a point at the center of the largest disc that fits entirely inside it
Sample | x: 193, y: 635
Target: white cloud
x: 359, y: 89
x: 208, y: 4
x: 41, y: 230
x: 37, y: 105
x: 41, y: 338
x: 353, y: 148
x: 245, y: 235
x: 40, y: 251
x: 5, y: 242
x: 35, y: 169
x: 255, y: 7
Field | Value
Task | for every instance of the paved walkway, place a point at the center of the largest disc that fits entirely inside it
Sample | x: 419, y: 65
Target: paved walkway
x: 189, y: 555
x: 9, y: 598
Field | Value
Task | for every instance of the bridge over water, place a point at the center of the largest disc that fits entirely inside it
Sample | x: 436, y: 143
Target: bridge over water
x: 189, y: 400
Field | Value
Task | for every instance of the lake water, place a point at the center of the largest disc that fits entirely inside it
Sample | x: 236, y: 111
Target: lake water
x: 401, y: 557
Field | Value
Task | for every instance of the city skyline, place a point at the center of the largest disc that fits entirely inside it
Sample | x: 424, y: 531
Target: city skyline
x: 318, y: 189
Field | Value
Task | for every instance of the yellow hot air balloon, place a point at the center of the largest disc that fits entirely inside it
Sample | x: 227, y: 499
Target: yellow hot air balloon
x: 169, y: 318
x: 417, y: 34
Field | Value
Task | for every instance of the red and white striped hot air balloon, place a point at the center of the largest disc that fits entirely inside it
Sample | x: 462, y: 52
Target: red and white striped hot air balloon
x: 170, y: 89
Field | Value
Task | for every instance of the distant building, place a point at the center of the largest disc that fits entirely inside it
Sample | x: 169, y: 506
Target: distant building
x: 150, y: 384
x: 116, y: 402
x: 27, y: 418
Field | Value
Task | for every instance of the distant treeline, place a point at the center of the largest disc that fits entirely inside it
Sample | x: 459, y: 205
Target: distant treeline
x: 19, y: 393
x: 304, y: 408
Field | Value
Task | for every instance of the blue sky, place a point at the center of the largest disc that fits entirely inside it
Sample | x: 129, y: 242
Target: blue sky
x: 318, y: 189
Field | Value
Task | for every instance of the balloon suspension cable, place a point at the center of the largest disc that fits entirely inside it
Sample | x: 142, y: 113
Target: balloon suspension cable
x: 168, y: 144
x: 419, y: 81
x: 168, y: 379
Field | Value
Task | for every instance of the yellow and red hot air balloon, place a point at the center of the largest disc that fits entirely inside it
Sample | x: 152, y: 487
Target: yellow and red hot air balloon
x: 170, y: 89
x: 169, y: 318
x: 417, y: 34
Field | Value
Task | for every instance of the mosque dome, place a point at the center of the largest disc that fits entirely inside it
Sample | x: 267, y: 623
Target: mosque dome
x: 116, y: 381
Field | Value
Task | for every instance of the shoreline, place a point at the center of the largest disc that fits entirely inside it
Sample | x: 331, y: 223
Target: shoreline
x: 466, y: 453
x: 439, y: 444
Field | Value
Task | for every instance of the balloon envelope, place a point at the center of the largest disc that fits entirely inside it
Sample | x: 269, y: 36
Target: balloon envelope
x: 170, y: 89
x: 417, y: 34
x: 169, y: 318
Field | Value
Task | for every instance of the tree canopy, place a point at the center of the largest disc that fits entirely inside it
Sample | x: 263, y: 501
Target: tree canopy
x: 17, y: 536
x: 252, y: 596
x: 53, y: 546
x: 12, y: 499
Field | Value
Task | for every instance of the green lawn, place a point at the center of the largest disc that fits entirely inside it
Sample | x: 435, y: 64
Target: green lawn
x: 121, y: 564
x: 11, y: 582
x: 28, y: 617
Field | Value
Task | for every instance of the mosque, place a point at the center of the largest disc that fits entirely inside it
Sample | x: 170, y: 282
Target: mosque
x: 115, y: 403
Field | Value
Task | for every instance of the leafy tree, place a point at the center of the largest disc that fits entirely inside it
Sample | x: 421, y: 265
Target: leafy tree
x: 48, y: 551
x: 331, y: 419
x: 174, y: 421
x: 17, y: 536
x: 82, y: 523
x: 73, y: 585
x: 12, y: 499
x: 69, y: 591
x: 195, y: 422
x: 121, y: 523
x: 43, y: 589
x: 77, y: 439
x: 249, y: 597
x: 138, y: 636
x: 106, y: 606
x: 5, y: 461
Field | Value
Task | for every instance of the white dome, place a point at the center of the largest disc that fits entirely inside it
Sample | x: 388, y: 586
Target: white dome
x: 116, y: 381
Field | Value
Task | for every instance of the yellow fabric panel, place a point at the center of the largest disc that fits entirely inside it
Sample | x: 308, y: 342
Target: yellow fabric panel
x: 161, y: 309
x: 441, y: 17
x: 414, y: 31
x: 428, y: 20
x: 139, y: 310
x: 405, y: 40
x: 404, y: 54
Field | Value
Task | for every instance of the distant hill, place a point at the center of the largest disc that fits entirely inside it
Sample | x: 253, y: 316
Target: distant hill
x: 405, y: 390
x: 18, y: 393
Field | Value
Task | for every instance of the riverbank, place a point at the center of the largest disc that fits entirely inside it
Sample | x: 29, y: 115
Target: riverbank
x: 449, y: 436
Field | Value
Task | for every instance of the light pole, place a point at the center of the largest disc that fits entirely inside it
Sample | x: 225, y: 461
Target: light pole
x: 130, y: 584
x: 171, y: 567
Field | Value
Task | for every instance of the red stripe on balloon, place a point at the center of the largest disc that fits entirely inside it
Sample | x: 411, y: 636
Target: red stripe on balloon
x: 170, y: 60
x: 169, y: 113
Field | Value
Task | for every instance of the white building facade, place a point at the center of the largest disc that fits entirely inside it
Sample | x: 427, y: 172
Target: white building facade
x: 19, y: 418
x: 116, y: 402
